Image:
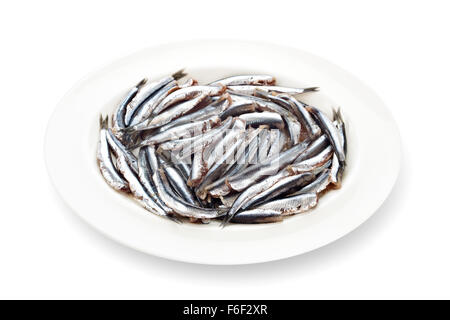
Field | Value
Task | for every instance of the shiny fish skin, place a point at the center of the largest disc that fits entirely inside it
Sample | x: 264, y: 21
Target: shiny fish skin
x: 185, y: 130
x: 219, y: 187
x: 251, y: 90
x: 292, y: 205
x: 257, y: 79
x: 219, y: 166
x: 317, y: 186
x: 215, y: 108
x: 256, y: 172
x: 178, y: 183
x: 260, y: 118
x: 312, y: 163
x: 180, y: 207
x: 119, y: 116
x: 330, y: 130
x: 291, y: 123
x: 280, y: 187
x: 137, y: 189
x: 304, y: 116
x: 145, y: 176
x: 175, y: 112
x: 241, y: 149
x: 257, y: 216
x: 145, y: 111
x: 105, y: 162
x: 146, y: 91
x: 246, y: 195
x: 314, y: 148
x: 188, y: 93
x: 119, y: 149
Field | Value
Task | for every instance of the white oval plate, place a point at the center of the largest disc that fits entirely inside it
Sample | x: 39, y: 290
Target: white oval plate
x: 373, y: 154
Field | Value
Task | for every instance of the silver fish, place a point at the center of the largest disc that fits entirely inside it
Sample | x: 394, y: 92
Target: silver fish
x: 291, y: 123
x: 175, y: 112
x: 146, y: 91
x: 251, y: 90
x: 221, y: 164
x: 304, y: 116
x: 178, y: 183
x: 145, y: 176
x: 253, y: 190
x: 186, y: 130
x: 257, y: 79
x: 137, y: 189
x: 311, y: 163
x: 139, y: 118
x: 118, y: 148
x: 215, y: 108
x: 119, y: 116
x: 260, y: 118
x: 330, y: 130
x: 292, y: 205
x: 105, y: 162
x: 188, y: 93
x: 280, y: 187
x: 316, y: 186
x: 180, y: 207
x: 256, y: 172
x: 257, y: 216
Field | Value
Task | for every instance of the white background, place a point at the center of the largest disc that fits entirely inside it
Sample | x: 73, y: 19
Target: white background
x: 399, y: 48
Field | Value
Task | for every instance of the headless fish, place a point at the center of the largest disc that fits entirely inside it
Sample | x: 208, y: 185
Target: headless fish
x: 292, y: 205
x: 257, y: 216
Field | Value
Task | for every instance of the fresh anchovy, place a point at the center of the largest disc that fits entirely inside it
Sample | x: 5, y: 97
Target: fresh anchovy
x: 280, y: 187
x: 105, y: 162
x: 255, y: 172
x: 192, y: 144
x: 237, y: 109
x: 219, y: 187
x: 197, y: 169
x: 335, y: 171
x: 340, y: 125
x: 178, y: 183
x: 304, y: 116
x: 224, y: 144
x: 314, y: 148
x: 260, y: 118
x: 137, y: 189
x: 292, y: 205
x: 119, y: 116
x: 312, y: 163
x: 330, y: 130
x: 146, y: 91
x: 276, y: 143
x: 258, y: 79
x: 180, y: 207
x: 221, y: 164
x: 175, y: 112
x: 118, y: 148
x: 317, y: 186
x: 215, y: 108
x: 253, y: 190
x: 257, y: 216
x: 290, y: 121
x: 264, y: 145
x: 182, y: 166
x: 145, y: 176
x: 251, y: 90
x: 188, y: 93
x: 185, y: 130
x: 145, y: 111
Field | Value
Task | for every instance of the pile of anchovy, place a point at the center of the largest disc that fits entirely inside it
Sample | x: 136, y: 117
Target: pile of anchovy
x: 239, y: 149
